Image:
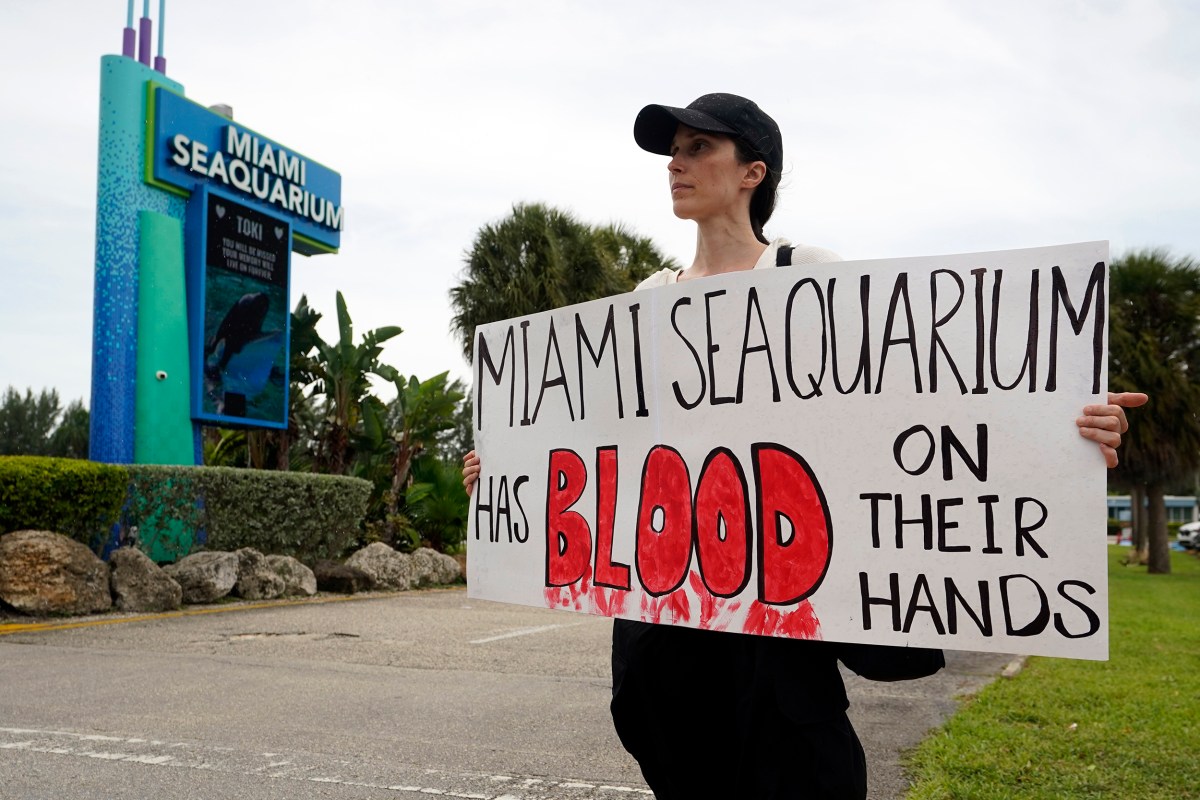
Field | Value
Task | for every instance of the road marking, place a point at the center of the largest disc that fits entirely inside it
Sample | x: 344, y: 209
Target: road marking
x: 523, y: 632
x: 312, y: 768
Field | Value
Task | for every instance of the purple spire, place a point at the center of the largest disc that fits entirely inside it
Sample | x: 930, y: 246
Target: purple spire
x: 129, y: 39
x: 160, y: 61
x: 144, y: 29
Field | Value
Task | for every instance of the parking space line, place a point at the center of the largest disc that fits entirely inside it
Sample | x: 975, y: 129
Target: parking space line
x: 307, y: 768
x: 523, y: 632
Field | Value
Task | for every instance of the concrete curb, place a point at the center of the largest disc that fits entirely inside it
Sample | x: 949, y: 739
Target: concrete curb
x: 30, y: 624
x: 1014, y: 667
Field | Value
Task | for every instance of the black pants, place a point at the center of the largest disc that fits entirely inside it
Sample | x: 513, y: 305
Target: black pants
x: 723, y: 715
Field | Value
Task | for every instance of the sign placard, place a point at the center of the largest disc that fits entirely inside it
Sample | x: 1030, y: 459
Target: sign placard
x: 189, y: 145
x: 239, y: 261
x: 875, y: 451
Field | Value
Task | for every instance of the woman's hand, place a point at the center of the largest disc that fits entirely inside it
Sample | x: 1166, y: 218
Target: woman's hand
x: 1104, y: 424
x: 471, y: 471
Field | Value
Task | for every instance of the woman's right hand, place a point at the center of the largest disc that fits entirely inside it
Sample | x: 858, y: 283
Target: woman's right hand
x: 470, y: 471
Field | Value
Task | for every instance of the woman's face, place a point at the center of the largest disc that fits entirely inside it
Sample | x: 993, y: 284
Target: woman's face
x: 706, y: 178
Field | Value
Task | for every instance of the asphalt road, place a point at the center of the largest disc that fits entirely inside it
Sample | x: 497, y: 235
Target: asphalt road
x: 396, y: 696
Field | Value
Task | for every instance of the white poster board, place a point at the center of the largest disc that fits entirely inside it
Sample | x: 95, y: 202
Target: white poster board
x: 873, y: 451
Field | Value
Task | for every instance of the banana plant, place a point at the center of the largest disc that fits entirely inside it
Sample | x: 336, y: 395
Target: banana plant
x: 421, y: 410
x: 341, y: 371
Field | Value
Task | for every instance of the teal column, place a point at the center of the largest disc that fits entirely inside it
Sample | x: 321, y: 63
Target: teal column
x: 121, y: 194
x: 163, y: 429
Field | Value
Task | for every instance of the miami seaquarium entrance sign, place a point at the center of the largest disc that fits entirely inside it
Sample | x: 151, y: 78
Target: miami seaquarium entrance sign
x: 196, y: 220
x: 190, y: 145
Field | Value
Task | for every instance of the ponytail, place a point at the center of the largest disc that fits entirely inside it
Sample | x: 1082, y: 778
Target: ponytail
x: 762, y: 202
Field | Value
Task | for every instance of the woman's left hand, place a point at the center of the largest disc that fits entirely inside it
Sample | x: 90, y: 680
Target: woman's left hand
x: 1104, y: 424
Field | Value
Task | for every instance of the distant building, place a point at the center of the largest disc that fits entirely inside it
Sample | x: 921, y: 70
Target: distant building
x: 1179, y: 509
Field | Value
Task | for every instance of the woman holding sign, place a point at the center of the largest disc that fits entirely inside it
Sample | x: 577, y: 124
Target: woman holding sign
x: 766, y: 717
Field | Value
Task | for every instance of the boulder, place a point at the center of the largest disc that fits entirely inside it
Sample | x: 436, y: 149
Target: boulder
x: 256, y: 580
x: 47, y: 573
x: 298, y: 580
x: 138, y: 584
x: 388, y: 568
x: 431, y: 567
x: 340, y: 578
x: 424, y: 566
x: 205, y: 577
x: 446, y: 569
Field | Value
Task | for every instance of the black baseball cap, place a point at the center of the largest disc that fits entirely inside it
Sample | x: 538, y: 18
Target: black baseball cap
x: 655, y: 126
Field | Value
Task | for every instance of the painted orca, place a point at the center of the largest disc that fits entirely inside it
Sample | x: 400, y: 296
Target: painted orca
x: 241, y: 325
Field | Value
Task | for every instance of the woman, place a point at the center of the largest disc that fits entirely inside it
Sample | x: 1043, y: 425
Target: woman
x: 765, y: 717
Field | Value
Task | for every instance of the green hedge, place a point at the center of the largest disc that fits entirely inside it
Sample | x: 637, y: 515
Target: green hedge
x: 282, y: 513
x: 80, y: 499
x: 1114, y: 528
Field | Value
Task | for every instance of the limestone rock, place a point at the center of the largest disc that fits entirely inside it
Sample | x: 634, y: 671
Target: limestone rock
x: 388, y: 568
x: 340, y: 578
x: 47, y: 573
x: 256, y: 579
x: 205, y: 576
x: 431, y: 567
x: 298, y: 580
x: 424, y: 566
x: 138, y: 584
x: 446, y: 569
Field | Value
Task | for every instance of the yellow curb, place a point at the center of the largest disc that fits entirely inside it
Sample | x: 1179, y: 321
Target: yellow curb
x: 34, y: 627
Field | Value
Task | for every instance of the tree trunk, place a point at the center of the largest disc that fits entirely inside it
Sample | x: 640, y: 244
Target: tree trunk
x: 401, y: 465
x: 1137, y: 521
x: 1159, y: 551
x: 339, y: 447
x: 283, y: 462
x: 256, y: 448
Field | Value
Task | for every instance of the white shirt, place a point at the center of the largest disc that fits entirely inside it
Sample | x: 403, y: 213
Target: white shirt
x: 802, y: 254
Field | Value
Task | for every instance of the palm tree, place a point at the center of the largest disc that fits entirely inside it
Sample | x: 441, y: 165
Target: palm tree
x: 454, y: 442
x: 340, y: 369
x: 540, y: 258
x: 421, y: 410
x: 632, y: 257
x: 437, y: 503
x: 1155, y: 348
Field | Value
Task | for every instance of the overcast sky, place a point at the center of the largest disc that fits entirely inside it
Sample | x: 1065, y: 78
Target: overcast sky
x: 910, y: 128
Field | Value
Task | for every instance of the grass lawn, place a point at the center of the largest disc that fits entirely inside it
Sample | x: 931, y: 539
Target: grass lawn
x: 1125, y: 728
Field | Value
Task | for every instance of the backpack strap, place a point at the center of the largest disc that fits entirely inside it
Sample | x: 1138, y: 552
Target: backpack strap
x: 783, y: 256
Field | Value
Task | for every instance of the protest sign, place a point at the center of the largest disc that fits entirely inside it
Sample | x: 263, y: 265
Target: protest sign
x: 873, y: 451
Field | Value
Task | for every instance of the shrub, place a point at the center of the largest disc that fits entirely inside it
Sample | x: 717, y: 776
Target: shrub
x: 438, y: 504
x: 298, y: 514
x: 80, y: 499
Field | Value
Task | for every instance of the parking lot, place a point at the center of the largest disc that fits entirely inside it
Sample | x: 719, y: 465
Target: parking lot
x: 400, y: 695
